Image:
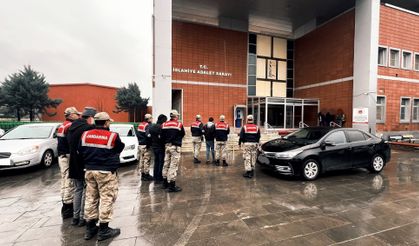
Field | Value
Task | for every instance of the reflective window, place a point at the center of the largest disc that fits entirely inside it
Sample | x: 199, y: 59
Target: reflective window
x: 355, y: 136
x: 336, y: 138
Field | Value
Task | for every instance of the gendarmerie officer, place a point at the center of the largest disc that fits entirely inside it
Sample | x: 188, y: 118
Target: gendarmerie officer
x: 197, y: 132
x: 67, y: 186
x: 172, y: 134
x: 100, y: 149
x: 249, y: 136
x: 144, y: 147
x: 221, y: 136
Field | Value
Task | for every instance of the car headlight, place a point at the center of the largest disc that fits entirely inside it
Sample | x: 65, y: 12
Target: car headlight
x: 28, y: 150
x: 288, y: 154
x: 129, y: 147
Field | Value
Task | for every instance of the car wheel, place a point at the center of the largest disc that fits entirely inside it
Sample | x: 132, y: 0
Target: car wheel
x: 47, y: 158
x: 311, y: 169
x: 377, y: 164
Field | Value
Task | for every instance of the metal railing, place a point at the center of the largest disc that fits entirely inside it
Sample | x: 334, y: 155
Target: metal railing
x: 334, y: 124
x: 302, y: 125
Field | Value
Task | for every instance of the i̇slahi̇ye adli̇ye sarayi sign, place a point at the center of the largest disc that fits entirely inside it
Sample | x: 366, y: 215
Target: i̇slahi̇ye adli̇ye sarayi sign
x: 203, y: 69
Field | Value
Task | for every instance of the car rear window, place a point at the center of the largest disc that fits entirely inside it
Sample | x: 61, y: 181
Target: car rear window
x: 356, y: 136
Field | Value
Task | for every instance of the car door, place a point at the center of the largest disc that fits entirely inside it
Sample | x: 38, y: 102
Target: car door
x: 334, y: 151
x: 361, y: 148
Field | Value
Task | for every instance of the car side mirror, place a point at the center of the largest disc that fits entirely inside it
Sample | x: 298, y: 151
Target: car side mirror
x: 326, y: 143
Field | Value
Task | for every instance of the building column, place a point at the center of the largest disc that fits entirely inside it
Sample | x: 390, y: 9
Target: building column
x: 367, y: 16
x: 162, y: 57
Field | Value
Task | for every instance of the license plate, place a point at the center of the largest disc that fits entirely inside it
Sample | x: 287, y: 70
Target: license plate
x: 5, y: 162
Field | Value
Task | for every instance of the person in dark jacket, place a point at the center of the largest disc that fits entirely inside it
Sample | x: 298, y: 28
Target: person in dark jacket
x: 221, y: 135
x: 67, y: 186
x: 172, y: 134
x: 209, y: 133
x: 144, y: 150
x: 76, y: 171
x: 157, y: 144
x: 100, y: 150
x: 250, y: 136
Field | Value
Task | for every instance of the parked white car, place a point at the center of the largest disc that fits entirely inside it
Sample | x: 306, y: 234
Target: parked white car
x: 129, y: 138
x: 29, y: 145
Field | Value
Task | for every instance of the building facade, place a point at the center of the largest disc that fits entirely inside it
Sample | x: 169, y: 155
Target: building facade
x: 356, y: 58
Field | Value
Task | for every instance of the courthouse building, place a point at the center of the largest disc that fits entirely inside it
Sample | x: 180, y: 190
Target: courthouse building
x: 285, y: 61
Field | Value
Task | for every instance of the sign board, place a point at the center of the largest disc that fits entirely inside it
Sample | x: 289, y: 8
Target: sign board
x: 360, y: 115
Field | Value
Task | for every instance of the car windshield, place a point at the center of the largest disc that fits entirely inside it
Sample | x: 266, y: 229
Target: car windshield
x: 123, y: 131
x: 307, y: 135
x: 28, y: 132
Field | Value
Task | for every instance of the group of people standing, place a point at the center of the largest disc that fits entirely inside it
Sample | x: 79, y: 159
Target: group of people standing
x: 89, y: 158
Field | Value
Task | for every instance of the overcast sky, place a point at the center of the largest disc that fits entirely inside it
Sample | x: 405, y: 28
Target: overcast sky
x: 98, y: 41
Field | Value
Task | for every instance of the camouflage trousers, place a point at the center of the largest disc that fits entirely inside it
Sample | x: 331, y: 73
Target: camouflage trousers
x: 221, y: 150
x: 171, y: 162
x: 101, y: 193
x: 67, y: 185
x: 144, y: 155
x: 196, y: 141
x: 249, y: 155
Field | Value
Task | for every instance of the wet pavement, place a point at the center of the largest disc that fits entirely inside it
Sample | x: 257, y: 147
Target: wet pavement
x: 219, y: 207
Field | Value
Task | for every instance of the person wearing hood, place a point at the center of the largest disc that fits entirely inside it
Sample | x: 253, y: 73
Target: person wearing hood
x: 209, y: 133
x: 76, y: 171
x: 157, y: 144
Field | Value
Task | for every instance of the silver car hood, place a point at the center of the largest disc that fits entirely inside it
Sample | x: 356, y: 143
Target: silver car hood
x: 14, y: 145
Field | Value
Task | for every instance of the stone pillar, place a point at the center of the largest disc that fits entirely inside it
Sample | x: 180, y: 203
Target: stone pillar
x: 367, y: 16
x: 162, y: 57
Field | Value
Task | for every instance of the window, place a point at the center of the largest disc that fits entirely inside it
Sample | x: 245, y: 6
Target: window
x: 355, y: 136
x: 381, y: 109
x: 407, y: 60
x: 405, y: 109
x: 382, y: 56
x: 336, y: 138
x: 416, y: 110
x: 394, y: 58
x: 416, y: 62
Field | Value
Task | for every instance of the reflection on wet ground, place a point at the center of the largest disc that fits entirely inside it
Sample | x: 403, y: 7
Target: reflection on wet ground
x: 219, y: 207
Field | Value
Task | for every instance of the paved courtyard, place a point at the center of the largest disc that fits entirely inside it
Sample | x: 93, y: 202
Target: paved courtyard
x: 219, y: 207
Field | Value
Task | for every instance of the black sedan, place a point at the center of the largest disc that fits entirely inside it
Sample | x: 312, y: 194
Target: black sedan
x: 311, y: 151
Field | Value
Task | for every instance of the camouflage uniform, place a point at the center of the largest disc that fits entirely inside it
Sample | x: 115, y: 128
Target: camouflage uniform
x: 67, y: 185
x: 221, y: 150
x: 171, y: 162
x: 101, y: 193
x: 196, y: 141
x: 144, y: 154
x: 249, y: 155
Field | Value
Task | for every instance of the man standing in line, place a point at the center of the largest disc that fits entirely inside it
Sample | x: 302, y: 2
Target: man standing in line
x: 76, y: 162
x: 209, y: 132
x: 144, y: 150
x: 67, y: 186
x: 172, y: 134
x: 250, y: 136
x: 157, y: 145
x: 197, y: 132
x: 100, y: 149
x: 221, y: 135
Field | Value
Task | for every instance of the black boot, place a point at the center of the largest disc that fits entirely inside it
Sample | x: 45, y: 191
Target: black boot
x: 106, y: 232
x: 196, y: 161
x: 91, y: 229
x: 165, y: 185
x: 251, y: 173
x: 75, y: 221
x: 225, y: 163
x: 143, y: 177
x: 247, y: 174
x: 217, y: 162
x: 149, y: 177
x: 67, y: 210
x: 82, y: 222
x: 173, y: 187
